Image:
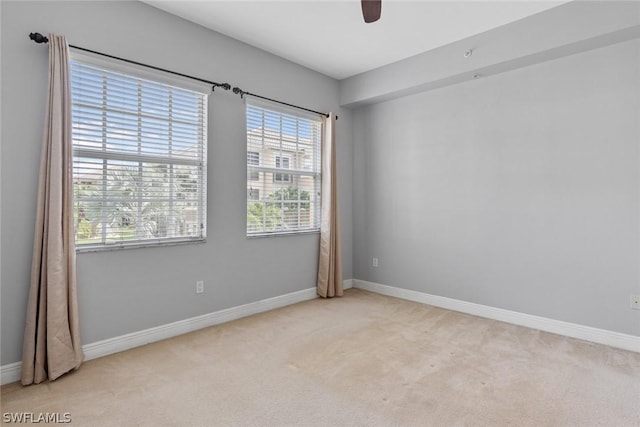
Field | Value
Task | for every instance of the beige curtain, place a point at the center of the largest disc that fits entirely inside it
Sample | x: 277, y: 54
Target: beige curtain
x: 52, y: 337
x: 330, y: 260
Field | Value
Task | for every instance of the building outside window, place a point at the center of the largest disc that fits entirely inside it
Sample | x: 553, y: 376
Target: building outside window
x: 253, y: 159
x: 282, y: 162
x: 288, y: 202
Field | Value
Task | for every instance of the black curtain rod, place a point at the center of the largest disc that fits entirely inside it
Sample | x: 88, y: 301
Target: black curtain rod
x: 242, y: 93
x: 39, y: 38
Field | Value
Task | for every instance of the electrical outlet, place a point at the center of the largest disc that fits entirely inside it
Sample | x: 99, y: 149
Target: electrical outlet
x: 635, y: 301
x: 375, y: 262
x: 199, y: 286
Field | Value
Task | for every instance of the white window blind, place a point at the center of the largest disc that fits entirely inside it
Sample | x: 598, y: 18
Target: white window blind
x: 282, y: 202
x: 139, y: 159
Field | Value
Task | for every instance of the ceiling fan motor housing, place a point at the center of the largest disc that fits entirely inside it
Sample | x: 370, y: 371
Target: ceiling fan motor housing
x: 371, y: 10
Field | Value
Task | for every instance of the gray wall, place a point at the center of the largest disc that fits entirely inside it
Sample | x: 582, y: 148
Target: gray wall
x: 518, y: 191
x: 129, y: 290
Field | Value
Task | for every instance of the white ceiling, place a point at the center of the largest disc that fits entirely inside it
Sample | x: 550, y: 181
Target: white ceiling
x: 331, y: 36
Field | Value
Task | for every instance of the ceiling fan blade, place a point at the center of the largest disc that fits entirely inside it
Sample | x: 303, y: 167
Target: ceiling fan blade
x: 371, y: 10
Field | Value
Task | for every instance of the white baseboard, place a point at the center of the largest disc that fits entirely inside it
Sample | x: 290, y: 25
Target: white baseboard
x: 11, y: 372
x: 587, y: 333
x: 136, y: 339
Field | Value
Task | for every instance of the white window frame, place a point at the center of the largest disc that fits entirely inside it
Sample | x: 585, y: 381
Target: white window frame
x: 295, y: 172
x: 200, y: 164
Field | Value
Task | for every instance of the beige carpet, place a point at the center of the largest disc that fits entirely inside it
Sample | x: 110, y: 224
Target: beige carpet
x: 361, y: 360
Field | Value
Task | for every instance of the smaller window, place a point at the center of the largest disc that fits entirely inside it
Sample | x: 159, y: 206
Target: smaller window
x: 253, y: 159
x: 253, y: 194
x: 282, y: 162
x: 283, y: 148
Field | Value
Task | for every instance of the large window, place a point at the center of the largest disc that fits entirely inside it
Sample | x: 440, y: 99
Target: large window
x: 139, y: 158
x: 279, y: 202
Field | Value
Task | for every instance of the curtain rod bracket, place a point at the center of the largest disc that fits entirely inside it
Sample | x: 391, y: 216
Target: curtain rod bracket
x: 239, y: 91
x: 225, y: 86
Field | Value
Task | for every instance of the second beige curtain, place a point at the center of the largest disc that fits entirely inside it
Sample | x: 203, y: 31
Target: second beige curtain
x: 52, y: 336
x: 330, y: 259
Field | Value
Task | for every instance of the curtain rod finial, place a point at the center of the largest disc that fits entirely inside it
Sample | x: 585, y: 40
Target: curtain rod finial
x: 38, y: 38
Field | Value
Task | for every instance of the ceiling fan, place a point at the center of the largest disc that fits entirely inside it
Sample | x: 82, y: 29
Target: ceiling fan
x: 371, y: 10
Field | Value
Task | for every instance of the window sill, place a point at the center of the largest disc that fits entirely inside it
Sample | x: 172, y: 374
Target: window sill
x: 136, y: 245
x: 282, y: 234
